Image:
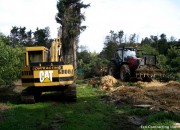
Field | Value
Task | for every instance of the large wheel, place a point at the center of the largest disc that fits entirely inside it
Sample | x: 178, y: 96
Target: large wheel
x: 70, y: 93
x: 125, y: 73
x: 112, y: 69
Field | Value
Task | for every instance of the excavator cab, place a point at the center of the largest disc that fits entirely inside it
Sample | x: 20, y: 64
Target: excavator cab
x: 36, y: 55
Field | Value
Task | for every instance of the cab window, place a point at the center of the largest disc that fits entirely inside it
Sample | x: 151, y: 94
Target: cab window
x: 35, y: 56
x: 119, y: 54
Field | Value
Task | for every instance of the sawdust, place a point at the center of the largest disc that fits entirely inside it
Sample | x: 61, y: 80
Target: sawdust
x: 151, y: 84
x: 162, y: 96
x: 108, y: 82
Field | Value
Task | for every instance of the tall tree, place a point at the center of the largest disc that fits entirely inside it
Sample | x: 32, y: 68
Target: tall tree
x: 29, y: 40
x: 132, y: 38
x: 120, y: 36
x: 155, y: 41
x: 69, y: 16
x: 19, y: 36
x: 108, y: 50
x: 172, y: 39
x: 112, y: 34
x: 82, y: 48
x: 41, y: 37
x: 162, y: 44
x: 14, y: 33
x: 22, y: 35
x: 146, y: 40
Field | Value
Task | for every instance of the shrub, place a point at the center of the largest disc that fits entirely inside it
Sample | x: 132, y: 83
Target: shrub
x: 11, y: 60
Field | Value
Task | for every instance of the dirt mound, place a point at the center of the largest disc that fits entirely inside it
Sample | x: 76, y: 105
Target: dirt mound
x: 174, y: 84
x: 165, y: 96
x: 108, y: 82
x: 131, y: 95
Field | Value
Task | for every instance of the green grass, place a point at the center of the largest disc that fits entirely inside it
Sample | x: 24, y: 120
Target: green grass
x: 161, y: 118
x: 88, y: 113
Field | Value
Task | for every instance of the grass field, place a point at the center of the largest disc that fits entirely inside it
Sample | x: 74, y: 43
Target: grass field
x: 90, y: 112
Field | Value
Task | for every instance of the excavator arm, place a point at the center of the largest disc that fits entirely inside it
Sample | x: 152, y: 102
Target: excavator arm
x: 55, y: 50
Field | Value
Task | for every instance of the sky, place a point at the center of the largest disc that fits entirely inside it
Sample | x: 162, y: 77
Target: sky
x: 142, y: 17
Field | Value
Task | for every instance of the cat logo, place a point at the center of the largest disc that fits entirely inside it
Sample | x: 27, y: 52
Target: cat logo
x: 45, y: 76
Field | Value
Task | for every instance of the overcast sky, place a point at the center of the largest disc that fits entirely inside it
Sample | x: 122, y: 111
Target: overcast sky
x: 143, y: 17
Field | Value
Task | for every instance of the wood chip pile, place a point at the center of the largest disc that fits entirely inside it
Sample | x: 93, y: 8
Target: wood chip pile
x: 108, y: 82
x: 165, y: 96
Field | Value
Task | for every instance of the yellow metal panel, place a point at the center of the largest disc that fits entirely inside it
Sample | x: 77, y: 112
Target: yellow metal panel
x: 27, y: 59
x: 26, y: 69
x: 66, y: 68
x: 41, y: 84
x: 43, y: 56
x: 66, y: 75
x: 37, y: 73
x: 27, y: 84
x: 66, y: 82
x: 48, y: 84
x: 36, y: 48
x: 27, y: 76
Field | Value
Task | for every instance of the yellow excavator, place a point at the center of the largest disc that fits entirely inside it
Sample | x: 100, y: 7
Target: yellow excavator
x: 44, y: 70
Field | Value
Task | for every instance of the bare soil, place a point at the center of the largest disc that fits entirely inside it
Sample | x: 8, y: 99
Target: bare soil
x: 157, y: 95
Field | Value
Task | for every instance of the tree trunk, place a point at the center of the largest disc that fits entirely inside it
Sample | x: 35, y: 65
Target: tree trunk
x: 69, y: 55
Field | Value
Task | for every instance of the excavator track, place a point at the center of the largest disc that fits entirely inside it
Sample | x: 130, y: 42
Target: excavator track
x: 70, y: 93
x: 27, y: 97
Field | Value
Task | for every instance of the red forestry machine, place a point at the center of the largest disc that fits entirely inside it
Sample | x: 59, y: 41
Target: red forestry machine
x: 125, y: 65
